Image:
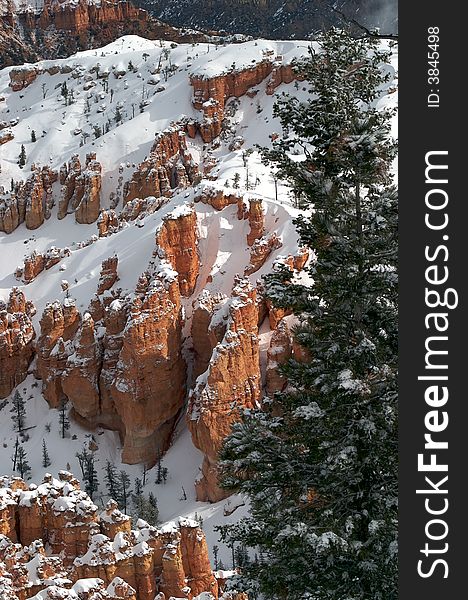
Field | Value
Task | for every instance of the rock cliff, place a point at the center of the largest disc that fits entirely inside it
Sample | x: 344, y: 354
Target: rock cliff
x: 231, y: 383
x: 81, y: 189
x: 178, y: 242
x: 29, y: 202
x: 131, y: 377
x: 37, y: 262
x: 16, y: 341
x: 60, y: 28
x: 169, y: 166
x: 297, y: 19
x: 149, y: 379
x: 58, y: 326
x: 211, y: 93
x: 93, y: 555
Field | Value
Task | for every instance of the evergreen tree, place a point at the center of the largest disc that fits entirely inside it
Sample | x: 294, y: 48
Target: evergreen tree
x: 46, y: 462
x: 33, y: 136
x: 159, y: 477
x: 88, y: 471
x: 137, y: 497
x: 152, y: 511
x: 113, y: 483
x: 22, y: 157
x: 236, y: 181
x: 14, y: 458
x: 63, y: 419
x: 118, y: 115
x: 18, y: 412
x: 64, y: 90
x: 319, y: 463
x: 22, y: 465
x: 126, y: 490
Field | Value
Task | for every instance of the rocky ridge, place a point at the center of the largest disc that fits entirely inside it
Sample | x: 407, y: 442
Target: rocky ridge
x: 93, y: 554
x: 58, y: 29
x: 16, y: 340
x: 274, y: 18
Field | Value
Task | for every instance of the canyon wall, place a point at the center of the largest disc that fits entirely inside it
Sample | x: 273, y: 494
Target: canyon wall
x: 231, y: 383
x: 16, y: 341
x: 96, y: 554
x: 211, y: 93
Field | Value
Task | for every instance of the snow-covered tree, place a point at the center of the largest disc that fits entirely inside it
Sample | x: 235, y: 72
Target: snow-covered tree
x: 151, y: 513
x: 319, y: 463
x: 22, y: 157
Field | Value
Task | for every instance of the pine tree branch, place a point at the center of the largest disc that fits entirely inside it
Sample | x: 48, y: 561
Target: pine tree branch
x: 363, y: 28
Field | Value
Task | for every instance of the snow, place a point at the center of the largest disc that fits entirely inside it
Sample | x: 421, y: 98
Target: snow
x: 223, y: 251
x: 83, y: 586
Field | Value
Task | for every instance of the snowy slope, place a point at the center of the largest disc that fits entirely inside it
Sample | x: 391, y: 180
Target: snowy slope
x: 123, y: 147
x: 64, y: 129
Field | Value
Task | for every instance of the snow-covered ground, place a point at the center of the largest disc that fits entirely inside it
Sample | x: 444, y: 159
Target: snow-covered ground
x: 63, y: 129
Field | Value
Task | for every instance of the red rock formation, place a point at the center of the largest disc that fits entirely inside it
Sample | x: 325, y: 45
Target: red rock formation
x: 57, y: 512
x: 7, y: 511
x: 108, y: 274
x: 217, y: 198
x: 33, y: 265
x: 195, y: 559
x: 140, y: 208
x: 177, y: 238
x: 79, y: 18
x: 21, y: 77
x: 108, y: 222
x: 278, y: 353
x: 173, y: 582
x: 80, y: 377
x: 256, y: 220
x: 88, y: 209
x: 149, y: 377
x: 168, y: 166
x: 204, y: 335
x: 232, y: 382
x: 260, y: 251
x: 16, y: 341
x: 59, y: 323
x: 119, y: 589
x: 113, y: 521
x: 133, y: 380
x: 121, y: 557
x: 115, y: 319
x: 37, y: 262
x: 6, y: 136
x: 29, y: 201
x: 210, y: 93
x: 81, y: 189
x: 100, y: 555
x: 280, y: 74
x: 10, y: 216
